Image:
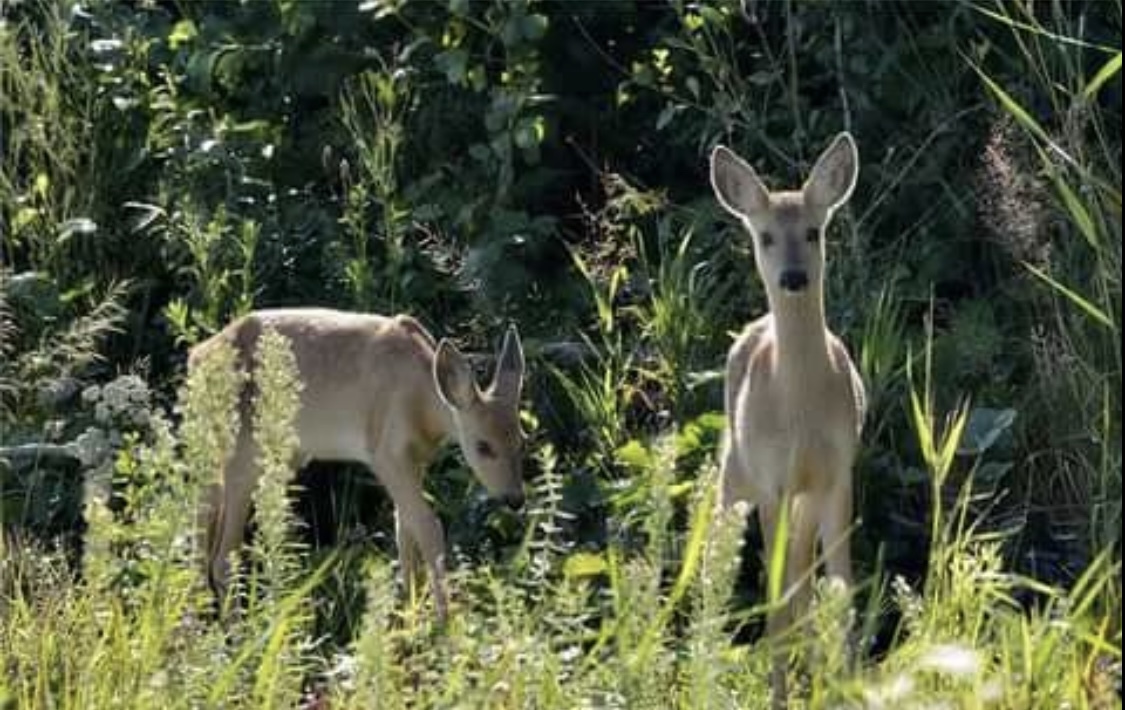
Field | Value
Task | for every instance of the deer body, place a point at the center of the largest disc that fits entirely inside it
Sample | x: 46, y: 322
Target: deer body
x: 794, y: 399
x: 378, y: 391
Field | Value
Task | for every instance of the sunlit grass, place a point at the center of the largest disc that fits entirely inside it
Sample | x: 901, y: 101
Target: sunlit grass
x: 648, y: 627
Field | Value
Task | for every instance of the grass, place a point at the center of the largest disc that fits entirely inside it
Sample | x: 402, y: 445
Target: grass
x: 1075, y: 155
x: 642, y: 628
x: 646, y: 617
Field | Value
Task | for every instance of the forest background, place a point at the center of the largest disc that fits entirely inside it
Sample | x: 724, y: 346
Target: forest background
x: 167, y: 166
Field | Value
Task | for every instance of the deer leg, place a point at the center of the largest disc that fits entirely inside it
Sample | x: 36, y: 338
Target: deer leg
x: 834, y: 539
x: 408, y: 559
x: 834, y: 529
x: 419, y: 522
x: 802, y: 554
x: 240, y: 476
x: 208, y: 513
x: 801, y: 568
x: 776, y: 616
x: 730, y: 473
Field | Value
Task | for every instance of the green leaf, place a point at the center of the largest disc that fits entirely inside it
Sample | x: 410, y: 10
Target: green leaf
x: 775, y: 580
x: 478, y: 78
x: 201, y: 69
x: 763, y: 77
x: 1073, y: 203
x: 182, y: 32
x: 1037, y: 29
x: 693, y: 86
x: 712, y: 16
x: 42, y: 184
x: 984, y: 429
x: 584, y: 564
x: 666, y: 115
x: 510, y: 32
x: 529, y: 132
x: 634, y: 455
x: 82, y: 226
x: 694, y: 545
x: 25, y: 216
x: 1089, y: 308
x: 922, y: 424
x: 952, y: 440
x: 992, y: 473
x: 1107, y: 72
x: 479, y: 152
x: 533, y: 26
x: 453, y: 64
x: 1013, y: 107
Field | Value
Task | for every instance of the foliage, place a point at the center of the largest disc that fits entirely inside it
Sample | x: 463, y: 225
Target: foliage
x: 165, y: 167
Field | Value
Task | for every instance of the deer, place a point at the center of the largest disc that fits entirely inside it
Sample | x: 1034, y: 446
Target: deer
x: 794, y: 400
x: 382, y: 392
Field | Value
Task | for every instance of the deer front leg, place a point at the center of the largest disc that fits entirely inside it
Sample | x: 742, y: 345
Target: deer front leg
x: 797, y: 563
x: 834, y: 540
x: 730, y: 474
x: 417, y: 521
x: 800, y: 565
x: 835, y: 527
x: 777, y: 617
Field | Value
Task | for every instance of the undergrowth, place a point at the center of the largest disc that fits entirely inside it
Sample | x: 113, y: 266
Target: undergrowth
x: 646, y: 628
x: 977, y: 283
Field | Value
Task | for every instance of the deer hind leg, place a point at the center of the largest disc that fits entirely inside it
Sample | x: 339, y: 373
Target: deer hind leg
x: 207, y: 524
x: 410, y: 563
x: 240, y: 476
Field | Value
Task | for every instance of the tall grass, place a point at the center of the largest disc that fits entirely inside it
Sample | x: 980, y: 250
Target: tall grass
x: 1074, y: 147
x: 136, y: 629
x: 47, y: 111
x: 626, y: 628
x: 373, y: 108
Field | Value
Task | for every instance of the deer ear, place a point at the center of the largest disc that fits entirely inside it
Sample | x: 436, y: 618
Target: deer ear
x: 454, y: 377
x: 833, y: 178
x: 739, y: 189
x: 510, y: 367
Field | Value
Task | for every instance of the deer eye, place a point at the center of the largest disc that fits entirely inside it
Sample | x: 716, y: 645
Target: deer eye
x: 766, y: 239
x: 485, y: 449
x: 813, y: 235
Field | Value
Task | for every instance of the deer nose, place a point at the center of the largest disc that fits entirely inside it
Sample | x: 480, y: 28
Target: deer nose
x: 514, y: 501
x: 793, y: 280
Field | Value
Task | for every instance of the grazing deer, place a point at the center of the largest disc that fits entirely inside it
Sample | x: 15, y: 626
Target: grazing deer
x: 381, y: 392
x: 794, y: 400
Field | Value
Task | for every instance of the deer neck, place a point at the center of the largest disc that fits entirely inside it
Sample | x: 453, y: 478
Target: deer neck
x: 802, y: 335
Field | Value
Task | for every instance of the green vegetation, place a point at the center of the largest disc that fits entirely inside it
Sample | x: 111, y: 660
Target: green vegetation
x: 167, y: 166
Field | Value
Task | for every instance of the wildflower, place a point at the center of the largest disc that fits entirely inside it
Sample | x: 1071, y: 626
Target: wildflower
x: 953, y: 660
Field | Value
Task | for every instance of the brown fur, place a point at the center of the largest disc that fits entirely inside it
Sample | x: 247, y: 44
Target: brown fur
x: 794, y: 400
x: 372, y: 393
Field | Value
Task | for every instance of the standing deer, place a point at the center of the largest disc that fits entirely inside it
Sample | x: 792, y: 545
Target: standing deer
x: 794, y: 400
x: 381, y: 392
